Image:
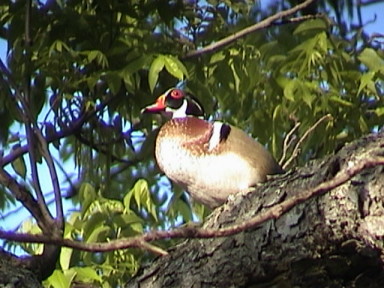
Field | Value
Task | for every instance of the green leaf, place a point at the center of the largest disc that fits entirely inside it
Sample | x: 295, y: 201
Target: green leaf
x: 58, y: 280
x: 142, y: 196
x: 86, y: 274
x: 87, y: 195
x: 371, y: 59
x: 363, y: 125
x: 217, y: 57
x: 338, y: 100
x: 114, y: 82
x: 92, y: 81
x: 57, y: 46
x: 94, y: 220
x: 65, y: 257
x: 366, y: 81
x: 175, y: 67
x: 311, y: 25
x: 99, y: 57
x: 153, y: 74
x: 19, y: 166
x: 184, y: 209
x: 290, y: 90
x: 98, y: 234
x: 92, y: 55
x: 379, y: 111
x: 127, y: 218
x: 140, y: 192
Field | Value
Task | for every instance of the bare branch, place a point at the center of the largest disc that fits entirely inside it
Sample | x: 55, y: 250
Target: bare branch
x: 54, y: 179
x: 251, y: 29
x: 352, y: 168
x: 295, y: 151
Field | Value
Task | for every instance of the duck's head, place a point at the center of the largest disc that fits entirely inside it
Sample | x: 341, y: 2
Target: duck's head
x: 175, y: 103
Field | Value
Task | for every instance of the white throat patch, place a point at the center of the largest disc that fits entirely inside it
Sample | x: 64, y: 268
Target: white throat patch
x: 180, y: 112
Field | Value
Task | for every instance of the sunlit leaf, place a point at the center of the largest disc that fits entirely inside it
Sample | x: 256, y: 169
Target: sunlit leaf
x: 86, y: 274
x: 339, y: 100
x: 98, y: 234
x: 94, y: 220
x: 379, y: 111
x: 290, y: 90
x: 366, y: 80
x: 175, y: 67
x: 58, y: 280
x: 153, y: 74
x: 371, y: 59
x: 87, y: 196
x: 65, y: 257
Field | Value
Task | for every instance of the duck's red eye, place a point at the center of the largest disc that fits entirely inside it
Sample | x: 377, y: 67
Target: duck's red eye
x: 177, y: 94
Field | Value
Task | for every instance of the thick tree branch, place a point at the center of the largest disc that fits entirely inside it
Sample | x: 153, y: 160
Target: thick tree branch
x: 24, y: 196
x: 352, y: 168
x: 258, y: 26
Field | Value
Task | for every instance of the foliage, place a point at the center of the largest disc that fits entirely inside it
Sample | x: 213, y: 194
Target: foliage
x: 86, y: 68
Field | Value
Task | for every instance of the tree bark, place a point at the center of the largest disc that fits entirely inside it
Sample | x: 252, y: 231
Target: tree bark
x: 13, y: 274
x: 333, y: 240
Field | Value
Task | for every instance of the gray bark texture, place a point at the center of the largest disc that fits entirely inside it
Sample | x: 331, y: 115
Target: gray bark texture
x: 333, y: 240
x: 14, y: 275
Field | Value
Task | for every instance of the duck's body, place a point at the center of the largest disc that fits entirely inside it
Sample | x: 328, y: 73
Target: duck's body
x: 211, y: 160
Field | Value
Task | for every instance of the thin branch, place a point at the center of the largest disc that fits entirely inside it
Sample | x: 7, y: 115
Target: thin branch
x: 295, y: 151
x: 287, y: 142
x: 54, y: 179
x: 35, y: 174
x: 352, y: 168
x: 76, y: 125
x: 299, y: 19
x: 152, y: 248
x: 251, y: 29
x: 102, y: 150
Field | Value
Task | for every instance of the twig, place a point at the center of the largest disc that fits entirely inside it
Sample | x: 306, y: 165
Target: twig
x: 258, y: 26
x: 295, y: 151
x: 273, y: 212
x: 287, y: 142
x: 76, y: 125
x: 152, y: 248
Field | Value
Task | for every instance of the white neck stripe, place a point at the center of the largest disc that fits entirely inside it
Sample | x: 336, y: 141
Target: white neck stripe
x: 215, y: 138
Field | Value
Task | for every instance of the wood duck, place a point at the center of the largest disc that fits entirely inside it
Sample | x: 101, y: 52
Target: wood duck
x: 209, y: 160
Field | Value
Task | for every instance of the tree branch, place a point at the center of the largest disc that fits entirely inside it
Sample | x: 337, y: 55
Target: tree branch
x: 288, y: 141
x: 24, y: 196
x: 251, y: 29
x: 352, y: 168
x: 54, y: 179
x: 295, y: 151
x: 76, y: 125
